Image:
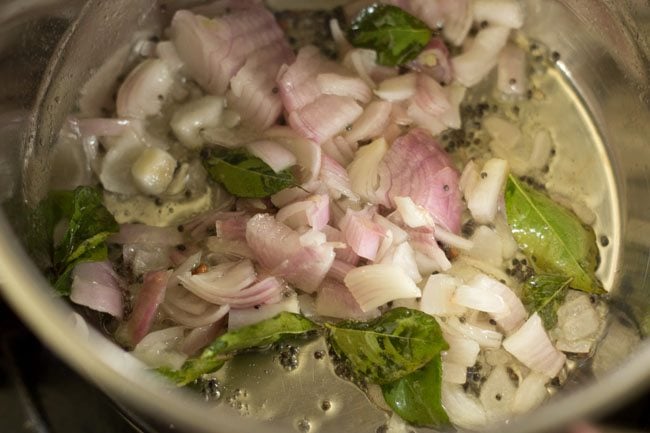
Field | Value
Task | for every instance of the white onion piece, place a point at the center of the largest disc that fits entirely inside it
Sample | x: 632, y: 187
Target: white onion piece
x: 229, y: 249
x: 290, y: 195
x: 399, y: 235
x: 223, y: 280
x: 506, y: 13
x: 398, y: 88
x: 341, y: 85
x: 508, y: 243
x: 338, y: 35
x: 430, y: 96
x: 474, y: 64
x: 200, y: 337
x: 413, y: 215
x: 279, y: 249
x: 336, y: 179
x: 482, y: 200
x: 462, y: 351
x: 159, y: 349
x: 423, y: 241
x: 577, y: 318
x: 371, y: 123
x: 511, y: 71
x: 451, y: 117
x: 531, y: 393
x: 277, y: 157
x: 96, y: 285
x: 364, y: 63
x: 453, y: 240
x: 479, y: 299
x: 437, y: 295
x: 325, y: 117
x: 402, y: 255
x: 458, y: 18
x: 375, y: 285
x: 506, y: 133
x: 335, y: 300
x: 343, y: 251
x: 515, y: 315
x: 313, y: 212
x: 308, y: 153
x: 190, y: 263
x: 249, y: 316
x: 115, y: 171
x: 361, y: 233
x: 142, y: 93
x: 211, y: 314
x: 153, y: 171
x: 340, y: 149
x: 166, y: 51
x: 531, y: 345
x: 339, y: 270
x: 484, y: 337
x: 147, y: 301
x: 364, y: 169
x: 499, y: 384
x: 487, y: 246
x: 542, y: 147
x: 464, y: 410
x: 144, y: 258
x: 425, y: 120
x: 190, y: 119
x: 185, y: 300
x: 453, y: 373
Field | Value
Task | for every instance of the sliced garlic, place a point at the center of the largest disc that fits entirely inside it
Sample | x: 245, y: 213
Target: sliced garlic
x: 153, y: 171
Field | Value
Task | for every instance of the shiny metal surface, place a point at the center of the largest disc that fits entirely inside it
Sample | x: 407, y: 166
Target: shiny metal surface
x: 605, y: 53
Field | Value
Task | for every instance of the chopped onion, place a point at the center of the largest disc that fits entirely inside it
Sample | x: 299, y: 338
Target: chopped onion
x: 398, y: 88
x: 484, y: 337
x: 143, y: 258
x: 487, y: 246
x: 149, y: 298
x: 483, y: 198
x: 200, y: 337
x: 96, y: 285
x: 462, y: 351
x: 399, y: 235
x: 474, y: 64
x: 371, y: 123
x: 458, y: 17
x: 464, y: 410
x: 430, y: 96
x: 402, y: 255
x: 249, y: 316
x: 339, y: 270
x: 531, y: 393
x: 498, y: 383
x: 361, y: 233
x: 506, y: 13
x: 191, y: 119
x: 423, y: 241
x: 325, y: 117
x: 453, y: 240
x: 577, y: 318
x: 222, y: 281
x: 341, y: 85
x: 229, y: 249
x: 338, y: 35
x: 364, y: 169
x: 211, y: 314
x: 159, y: 349
x: 313, y: 212
x: 437, y: 295
x: 413, y: 215
x: 166, y: 51
x: 531, y: 345
x: 453, y: 373
x: 335, y: 300
x: 434, y: 60
x: 308, y: 153
x: 375, y: 285
x: 478, y: 299
x: 511, y: 71
x: 336, y: 179
x: 340, y: 149
x: 296, y: 193
x: 542, y: 148
x: 276, y: 156
x: 515, y: 314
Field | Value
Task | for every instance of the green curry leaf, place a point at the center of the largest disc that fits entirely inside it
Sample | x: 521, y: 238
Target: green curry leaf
x: 552, y: 236
x: 260, y: 334
x: 244, y: 175
x: 395, y: 35
x: 417, y: 397
x: 390, y: 347
x: 544, y: 294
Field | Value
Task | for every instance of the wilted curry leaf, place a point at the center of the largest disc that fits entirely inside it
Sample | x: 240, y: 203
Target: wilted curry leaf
x: 390, y: 347
x: 552, y: 236
x: 544, y: 294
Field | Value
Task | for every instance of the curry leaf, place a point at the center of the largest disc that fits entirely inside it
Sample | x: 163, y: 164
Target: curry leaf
x: 390, y: 347
x: 260, y: 334
x: 245, y: 175
x: 544, y: 294
x: 395, y: 35
x: 552, y: 236
x: 417, y: 398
